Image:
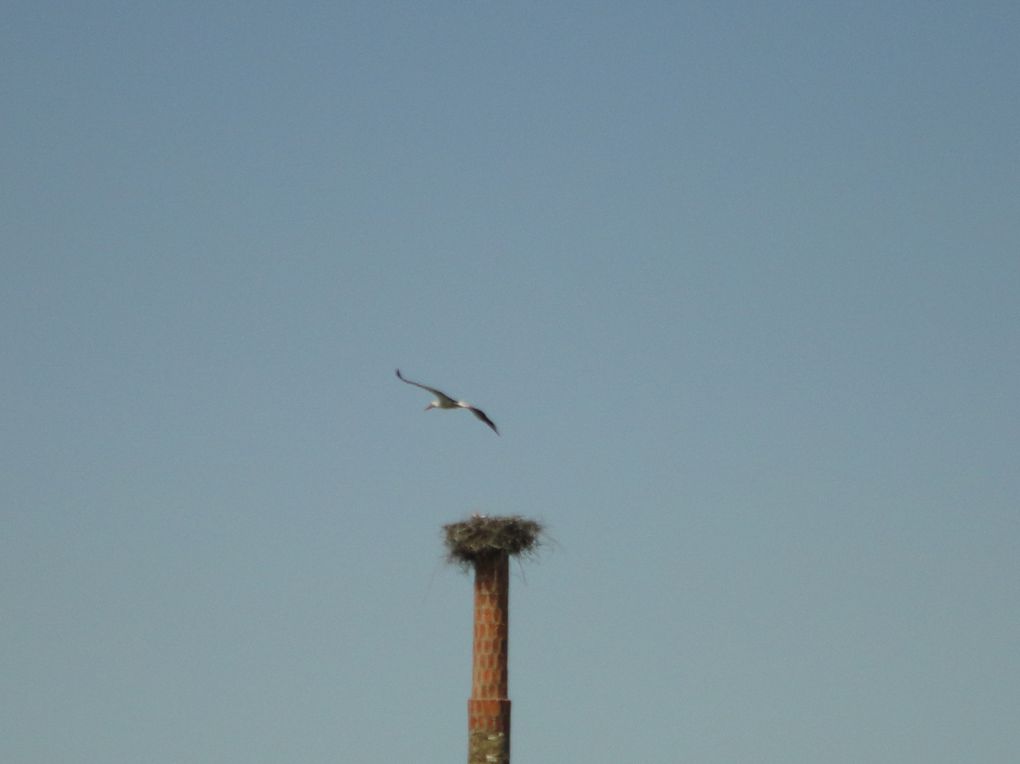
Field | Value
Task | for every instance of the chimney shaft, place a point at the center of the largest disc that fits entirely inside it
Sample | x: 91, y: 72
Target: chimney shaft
x: 489, y: 706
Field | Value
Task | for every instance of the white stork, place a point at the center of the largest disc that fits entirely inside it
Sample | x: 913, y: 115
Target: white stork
x: 444, y: 401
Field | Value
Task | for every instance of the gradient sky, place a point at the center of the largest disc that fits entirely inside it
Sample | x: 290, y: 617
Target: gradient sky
x: 740, y: 284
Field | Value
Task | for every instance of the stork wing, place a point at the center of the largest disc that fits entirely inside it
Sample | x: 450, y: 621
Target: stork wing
x: 438, y: 393
x: 481, y: 415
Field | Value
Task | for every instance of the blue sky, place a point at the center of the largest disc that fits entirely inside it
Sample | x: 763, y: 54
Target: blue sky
x: 739, y: 283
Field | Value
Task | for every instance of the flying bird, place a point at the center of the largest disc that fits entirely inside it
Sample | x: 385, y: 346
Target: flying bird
x: 444, y: 401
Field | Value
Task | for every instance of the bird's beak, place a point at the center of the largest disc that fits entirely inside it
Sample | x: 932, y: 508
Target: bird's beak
x: 430, y: 406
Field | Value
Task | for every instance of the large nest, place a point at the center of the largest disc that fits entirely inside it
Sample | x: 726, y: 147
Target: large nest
x: 480, y: 537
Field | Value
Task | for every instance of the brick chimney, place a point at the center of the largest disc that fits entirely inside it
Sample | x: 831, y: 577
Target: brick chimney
x: 486, y: 545
x: 489, y: 706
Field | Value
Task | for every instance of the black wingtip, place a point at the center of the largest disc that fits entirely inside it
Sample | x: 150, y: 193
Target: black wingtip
x: 479, y: 414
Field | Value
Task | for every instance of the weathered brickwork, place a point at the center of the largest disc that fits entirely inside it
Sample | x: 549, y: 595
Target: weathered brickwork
x: 489, y: 706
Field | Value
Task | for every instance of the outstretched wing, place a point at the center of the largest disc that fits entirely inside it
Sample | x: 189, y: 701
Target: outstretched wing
x: 481, y: 415
x: 438, y: 393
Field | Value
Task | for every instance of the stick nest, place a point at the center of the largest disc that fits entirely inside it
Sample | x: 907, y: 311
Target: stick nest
x: 480, y: 537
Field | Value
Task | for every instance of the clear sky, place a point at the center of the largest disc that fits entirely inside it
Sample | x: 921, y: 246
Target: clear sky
x: 739, y: 283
